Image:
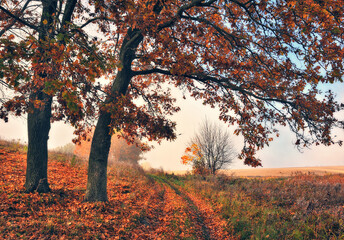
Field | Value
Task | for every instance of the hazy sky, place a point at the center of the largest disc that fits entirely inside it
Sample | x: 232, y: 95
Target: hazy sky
x: 281, y: 153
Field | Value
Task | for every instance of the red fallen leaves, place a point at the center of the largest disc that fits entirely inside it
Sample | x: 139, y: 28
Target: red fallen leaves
x: 212, y: 220
x: 139, y: 207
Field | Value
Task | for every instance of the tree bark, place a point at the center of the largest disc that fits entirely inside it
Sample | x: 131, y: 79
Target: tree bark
x: 96, y: 189
x: 38, y: 124
x: 38, y: 121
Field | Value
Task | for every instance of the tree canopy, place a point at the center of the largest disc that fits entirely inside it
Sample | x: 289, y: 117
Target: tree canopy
x: 42, y: 49
x: 259, y: 61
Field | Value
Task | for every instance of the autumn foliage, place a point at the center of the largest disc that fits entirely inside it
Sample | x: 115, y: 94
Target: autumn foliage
x: 192, y: 153
x: 193, y: 157
x: 259, y: 62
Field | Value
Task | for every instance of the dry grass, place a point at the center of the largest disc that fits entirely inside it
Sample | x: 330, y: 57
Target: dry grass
x: 283, y: 172
x: 300, y: 207
x: 277, y: 172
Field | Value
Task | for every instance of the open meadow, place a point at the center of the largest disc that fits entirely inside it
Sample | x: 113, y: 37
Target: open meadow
x: 283, y: 172
x: 277, y: 172
x: 156, y: 205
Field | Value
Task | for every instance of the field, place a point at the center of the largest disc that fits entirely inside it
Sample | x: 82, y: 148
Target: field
x: 156, y: 205
x: 277, y: 172
x: 280, y: 172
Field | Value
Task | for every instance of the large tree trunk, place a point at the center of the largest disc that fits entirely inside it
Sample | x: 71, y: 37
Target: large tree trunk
x: 38, y: 121
x: 97, y: 168
x: 38, y: 135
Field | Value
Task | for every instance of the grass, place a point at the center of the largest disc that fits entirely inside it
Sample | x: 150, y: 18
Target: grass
x: 153, y: 205
x: 13, y: 146
x: 299, y: 207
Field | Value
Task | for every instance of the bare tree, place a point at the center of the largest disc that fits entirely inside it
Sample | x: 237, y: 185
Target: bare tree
x: 216, y: 149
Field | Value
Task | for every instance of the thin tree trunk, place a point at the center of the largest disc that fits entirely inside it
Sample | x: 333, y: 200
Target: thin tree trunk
x: 96, y: 189
x: 38, y: 134
x: 97, y: 167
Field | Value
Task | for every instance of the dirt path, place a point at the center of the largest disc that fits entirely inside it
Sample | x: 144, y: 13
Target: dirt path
x: 141, y: 206
x: 204, y: 223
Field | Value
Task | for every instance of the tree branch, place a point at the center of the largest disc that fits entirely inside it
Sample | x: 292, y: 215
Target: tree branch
x: 69, y: 9
x: 95, y: 19
x: 19, y: 19
x: 180, y: 11
x: 223, y: 82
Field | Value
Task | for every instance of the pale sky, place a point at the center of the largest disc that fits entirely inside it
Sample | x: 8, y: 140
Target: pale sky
x: 281, y: 153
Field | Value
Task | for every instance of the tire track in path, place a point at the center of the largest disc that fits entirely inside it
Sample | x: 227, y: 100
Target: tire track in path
x: 206, y: 220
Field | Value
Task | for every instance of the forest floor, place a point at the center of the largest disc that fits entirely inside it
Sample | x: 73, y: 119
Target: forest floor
x: 141, y: 205
x: 156, y: 205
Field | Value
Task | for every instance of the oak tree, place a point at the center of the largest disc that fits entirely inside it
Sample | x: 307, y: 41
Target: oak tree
x: 49, y: 65
x: 260, y: 62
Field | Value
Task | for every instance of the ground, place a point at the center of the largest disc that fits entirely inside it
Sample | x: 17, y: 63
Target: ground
x: 156, y: 205
x: 141, y: 206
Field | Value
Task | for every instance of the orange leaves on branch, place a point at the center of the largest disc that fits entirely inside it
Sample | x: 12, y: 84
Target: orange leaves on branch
x: 186, y: 159
x: 192, y: 153
x: 193, y: 156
